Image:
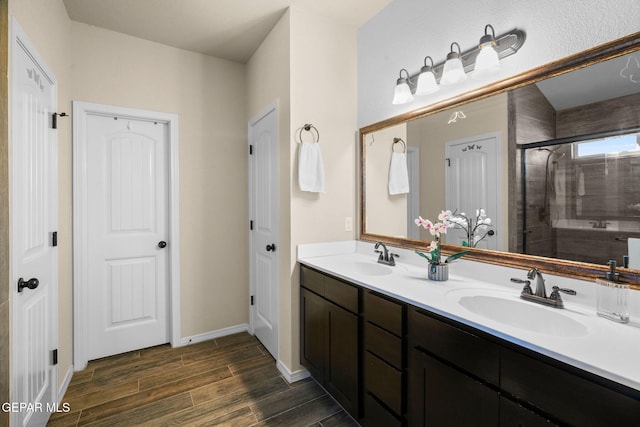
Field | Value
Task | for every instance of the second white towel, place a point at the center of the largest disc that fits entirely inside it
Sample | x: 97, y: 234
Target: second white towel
x: 398, y: 174
x: 310, y: 168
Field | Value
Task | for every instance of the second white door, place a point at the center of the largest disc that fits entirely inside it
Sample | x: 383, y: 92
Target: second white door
x: 127, y: 181
x: 472, y: 178
x: 263, y: 211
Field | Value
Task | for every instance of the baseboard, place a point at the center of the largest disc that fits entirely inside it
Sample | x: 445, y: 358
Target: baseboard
x: 244, y: 327
x: 65, y: 384
x: 292, y: 377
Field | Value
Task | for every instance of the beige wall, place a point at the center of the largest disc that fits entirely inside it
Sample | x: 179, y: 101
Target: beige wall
x: 208, y: 95
x: 324, y: 93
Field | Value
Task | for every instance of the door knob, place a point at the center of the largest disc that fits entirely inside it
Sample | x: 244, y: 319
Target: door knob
x: 162, y: 244
x: 31, y: 284
x: 271, y: 247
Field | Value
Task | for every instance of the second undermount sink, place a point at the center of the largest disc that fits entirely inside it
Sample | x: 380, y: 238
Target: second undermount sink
x: 371, y: 269
x: 523, y: 315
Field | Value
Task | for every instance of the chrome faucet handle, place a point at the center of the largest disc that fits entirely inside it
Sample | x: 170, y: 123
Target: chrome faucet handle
x: 555, y: 295
x: 527, y: 285
x: 392, y: 258
x: 564, y: 290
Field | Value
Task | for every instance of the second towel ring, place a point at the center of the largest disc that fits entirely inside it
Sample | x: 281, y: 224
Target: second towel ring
x: 307, y: 127
x: 396, y: 141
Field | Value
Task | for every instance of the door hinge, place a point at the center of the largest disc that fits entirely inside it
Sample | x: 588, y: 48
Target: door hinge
x: 54, y: 119
x: 250, y: 150
x: 251, y: 225
x: 54, y: 239
x: 54, y: 357
x: 251, y: 299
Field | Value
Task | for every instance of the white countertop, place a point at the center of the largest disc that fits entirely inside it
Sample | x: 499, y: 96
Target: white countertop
x: 606, y: 348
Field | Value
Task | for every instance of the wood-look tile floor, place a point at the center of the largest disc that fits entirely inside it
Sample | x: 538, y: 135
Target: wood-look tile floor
x: 229, y: 381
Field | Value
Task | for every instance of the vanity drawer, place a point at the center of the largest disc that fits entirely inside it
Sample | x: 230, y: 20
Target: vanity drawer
x: 336, y: 291
x: 341, y: 294
x: 385, y: 313
x: 383, y: 381
x: 312, y: 280
x: 383, y: 344
x: 475, y: 355
x: 573, y: 396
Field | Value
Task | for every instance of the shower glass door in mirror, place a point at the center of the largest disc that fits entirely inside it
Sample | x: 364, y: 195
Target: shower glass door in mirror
x: 581, y: 198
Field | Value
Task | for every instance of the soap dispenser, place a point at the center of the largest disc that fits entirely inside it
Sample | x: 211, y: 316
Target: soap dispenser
x: 613, y: 296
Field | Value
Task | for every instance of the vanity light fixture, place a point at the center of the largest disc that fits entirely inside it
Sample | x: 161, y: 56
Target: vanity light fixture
x: 487, y: 62
x: 483, y: 60
x: 427, y: 79
x: 402, y: 94
x: 453, y: 71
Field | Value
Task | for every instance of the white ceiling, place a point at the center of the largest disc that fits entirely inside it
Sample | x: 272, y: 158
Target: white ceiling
x: 228, y: 29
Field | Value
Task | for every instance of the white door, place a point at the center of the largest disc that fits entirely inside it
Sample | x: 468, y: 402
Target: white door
x: 34, y: 207
x: 127, y: 232
x: 472, y: 175
x: 263, y: 214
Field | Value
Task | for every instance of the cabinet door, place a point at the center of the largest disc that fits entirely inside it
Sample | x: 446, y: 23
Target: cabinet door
x: 443, y: 396
x: 313, y: 333
x: 342, y: 364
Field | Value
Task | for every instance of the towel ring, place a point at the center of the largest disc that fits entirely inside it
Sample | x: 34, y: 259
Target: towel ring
x: 307, y: 127
x: 396, y: 141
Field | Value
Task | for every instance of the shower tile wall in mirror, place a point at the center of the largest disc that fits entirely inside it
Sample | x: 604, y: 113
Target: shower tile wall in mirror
x: 555, y: 165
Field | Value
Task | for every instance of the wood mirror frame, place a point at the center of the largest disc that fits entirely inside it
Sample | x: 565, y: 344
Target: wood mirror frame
x: 581, y: 270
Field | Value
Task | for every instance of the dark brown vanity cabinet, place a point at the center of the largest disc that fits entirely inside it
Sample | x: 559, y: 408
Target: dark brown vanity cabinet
x: 453, y: 375
x: 329, y: 335
x: 385, y: 361
x: 461, y: 376
x: 389, y: 363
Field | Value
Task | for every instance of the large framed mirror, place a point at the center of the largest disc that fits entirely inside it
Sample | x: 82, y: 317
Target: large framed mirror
x: 552, y: 156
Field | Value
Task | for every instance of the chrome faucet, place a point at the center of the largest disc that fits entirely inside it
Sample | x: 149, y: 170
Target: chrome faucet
x: 385, y: 257
x: 540, y: 295
x: 541, y: 289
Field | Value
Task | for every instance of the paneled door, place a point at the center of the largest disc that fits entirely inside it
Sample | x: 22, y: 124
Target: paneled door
x: 472, y: 175
x: 263, y: 215
x: 34, y: 207
x: 127, y: 232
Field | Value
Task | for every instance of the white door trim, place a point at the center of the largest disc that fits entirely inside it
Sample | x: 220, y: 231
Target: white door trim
x: 252, y: 284
x: 80, y: 228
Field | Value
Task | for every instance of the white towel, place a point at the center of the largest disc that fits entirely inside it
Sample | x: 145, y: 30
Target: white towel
x: 310, y: 168
x: 398, y: 174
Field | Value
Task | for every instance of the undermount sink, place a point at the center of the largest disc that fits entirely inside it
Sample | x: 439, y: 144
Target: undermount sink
x: 523, y: 315
x: 371, y: 269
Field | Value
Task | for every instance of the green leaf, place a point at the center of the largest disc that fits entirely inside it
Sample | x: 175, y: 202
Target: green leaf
x: 455, y: 256
x: 425, y: 256
x: 464, y: 243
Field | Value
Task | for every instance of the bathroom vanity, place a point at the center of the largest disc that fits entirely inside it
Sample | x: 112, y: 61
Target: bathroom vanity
x: 395, y: 349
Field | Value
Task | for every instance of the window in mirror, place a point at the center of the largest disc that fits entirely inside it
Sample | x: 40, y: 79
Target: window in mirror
x: 616, y: 145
